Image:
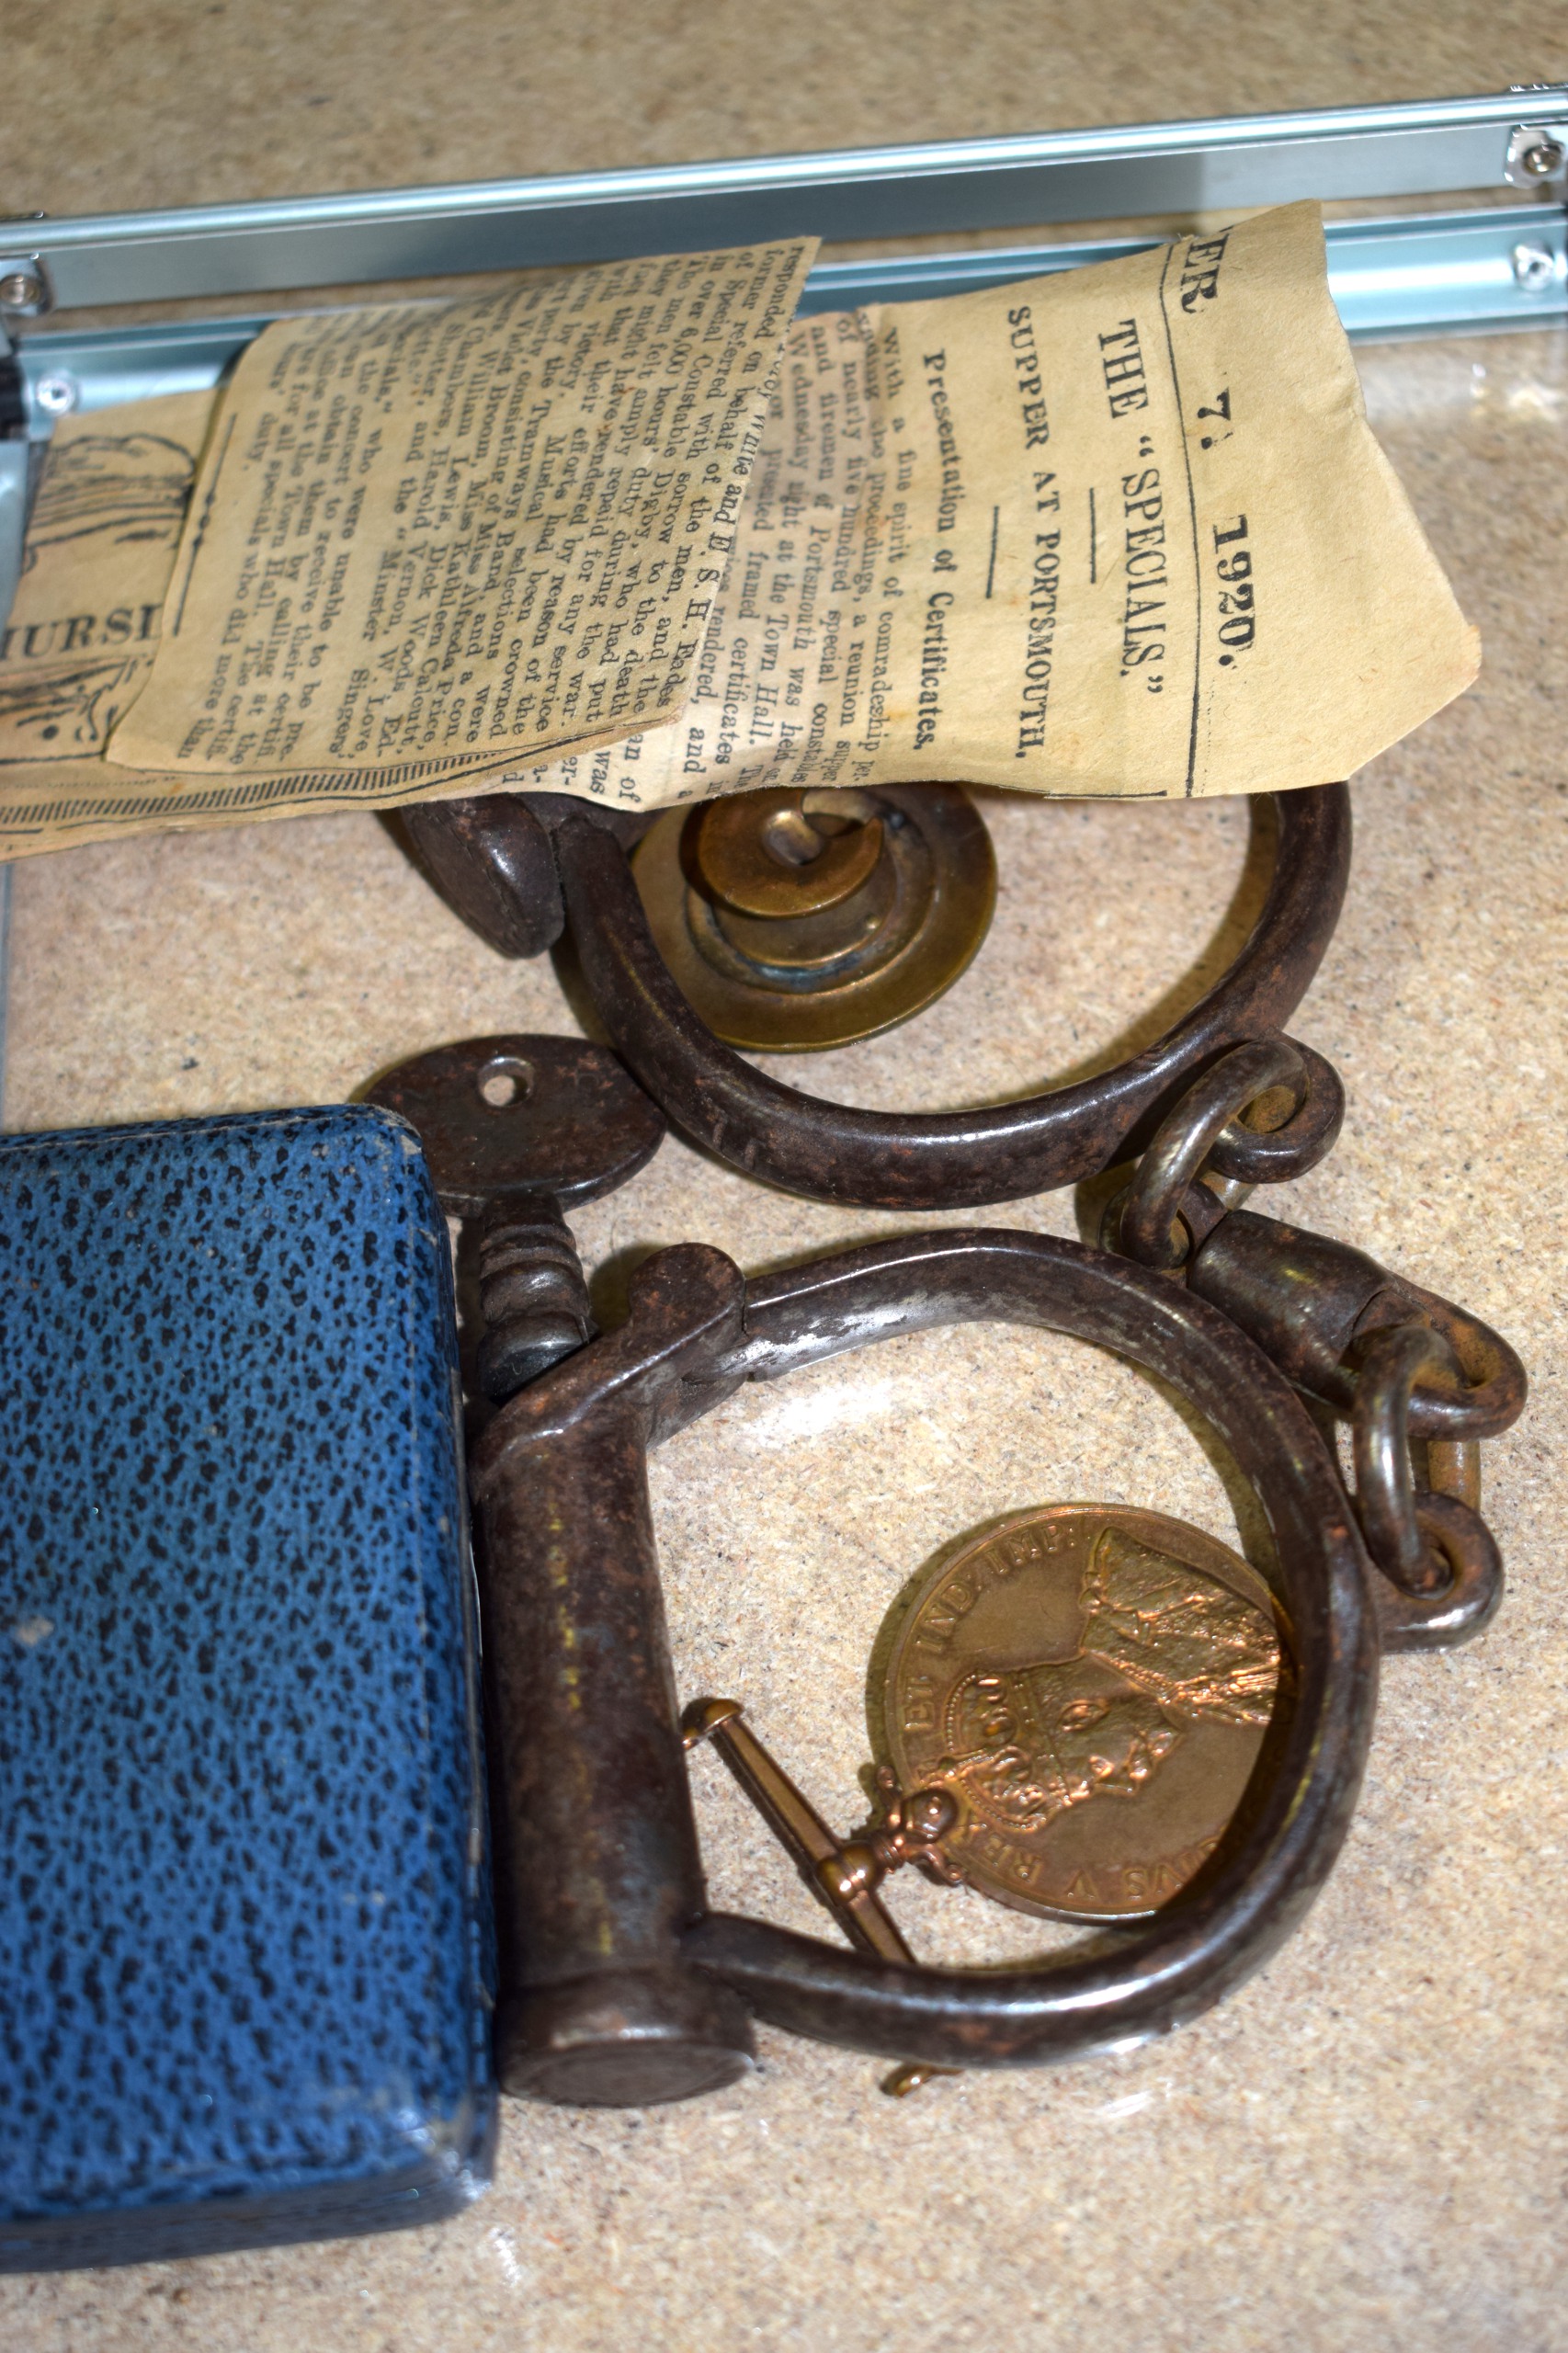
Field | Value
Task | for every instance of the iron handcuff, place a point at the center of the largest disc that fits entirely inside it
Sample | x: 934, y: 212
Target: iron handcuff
x: 521, y: 867
x: 624, y: 1987
x: 662, y: 2019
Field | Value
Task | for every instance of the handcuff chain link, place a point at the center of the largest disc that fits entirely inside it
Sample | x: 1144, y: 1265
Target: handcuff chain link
x: 1390, y: 1353
x: 1153, y: 1229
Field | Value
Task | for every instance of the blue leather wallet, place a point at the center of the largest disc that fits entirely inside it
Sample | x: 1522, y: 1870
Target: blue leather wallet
x: 246, y: 1969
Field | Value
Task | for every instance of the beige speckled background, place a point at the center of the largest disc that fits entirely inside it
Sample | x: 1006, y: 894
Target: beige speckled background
x: 1367, y: 2148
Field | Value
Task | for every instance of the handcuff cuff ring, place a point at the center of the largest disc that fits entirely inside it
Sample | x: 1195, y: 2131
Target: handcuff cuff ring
x: 518, y: 866
x: 624, y: 1988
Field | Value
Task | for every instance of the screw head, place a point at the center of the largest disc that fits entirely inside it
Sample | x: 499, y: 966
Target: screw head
x: 21, y: 290
x: 1534, y: 267
x: 1536, y: 153
x: 57, y: 395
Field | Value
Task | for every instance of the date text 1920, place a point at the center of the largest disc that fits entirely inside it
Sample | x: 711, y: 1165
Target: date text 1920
x: 1238, y: 617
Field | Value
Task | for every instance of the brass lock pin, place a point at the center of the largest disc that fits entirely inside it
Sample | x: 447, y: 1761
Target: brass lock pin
x: 845, y: 1873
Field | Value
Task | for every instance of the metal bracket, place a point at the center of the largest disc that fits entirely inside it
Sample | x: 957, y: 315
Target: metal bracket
x: 13, y: 466
x: 1538, y: 155
x: 1434, y: 273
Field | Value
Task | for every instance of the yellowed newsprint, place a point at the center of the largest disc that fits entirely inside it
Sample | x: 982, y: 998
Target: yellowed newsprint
x: 1124, y: 531
x: 1120, y: 532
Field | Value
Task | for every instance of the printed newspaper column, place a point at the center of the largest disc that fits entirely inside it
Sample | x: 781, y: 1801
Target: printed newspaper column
x: 1120, y: 532
x: 431, y: 539
x: 79, y: 641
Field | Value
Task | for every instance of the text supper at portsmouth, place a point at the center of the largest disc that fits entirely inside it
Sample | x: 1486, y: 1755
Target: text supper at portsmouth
x: 1117, y: 532
x: 1122, y: 531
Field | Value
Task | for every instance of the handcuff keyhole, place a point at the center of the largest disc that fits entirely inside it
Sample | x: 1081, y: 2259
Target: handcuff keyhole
x: 505, y: 1081
x: 790, y: 836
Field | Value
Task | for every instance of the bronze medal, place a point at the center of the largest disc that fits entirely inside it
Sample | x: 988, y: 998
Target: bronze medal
x: 1091, y: 1685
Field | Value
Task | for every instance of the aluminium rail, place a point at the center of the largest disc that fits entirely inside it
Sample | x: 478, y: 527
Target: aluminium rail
x: 1448, y: 272
x: 1427, y: 149
x: 1490, y: 268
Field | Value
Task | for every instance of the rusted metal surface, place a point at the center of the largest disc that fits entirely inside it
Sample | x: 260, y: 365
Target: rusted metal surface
x: 605, y: 1903
x: 1400, y: 1363
x: 622, y: 1988
x: 1467, y: 1599
x: 597, y: 1864
x: 596, y: 1851
x: 1310, y: 1105
x: 516, y: 1129
x: 1433, y: 1548
x: 523, y: 1114
x: 945, y: 1159
x: 1391, y: 1363
x: 1306, y: 1299
x: 1452, y: 1467
x: 533, y: 1294
x: 491, y: 860
x: 953, y: 1159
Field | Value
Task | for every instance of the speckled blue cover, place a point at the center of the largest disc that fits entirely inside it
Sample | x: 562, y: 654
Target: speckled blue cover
x: 245, y: 1934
